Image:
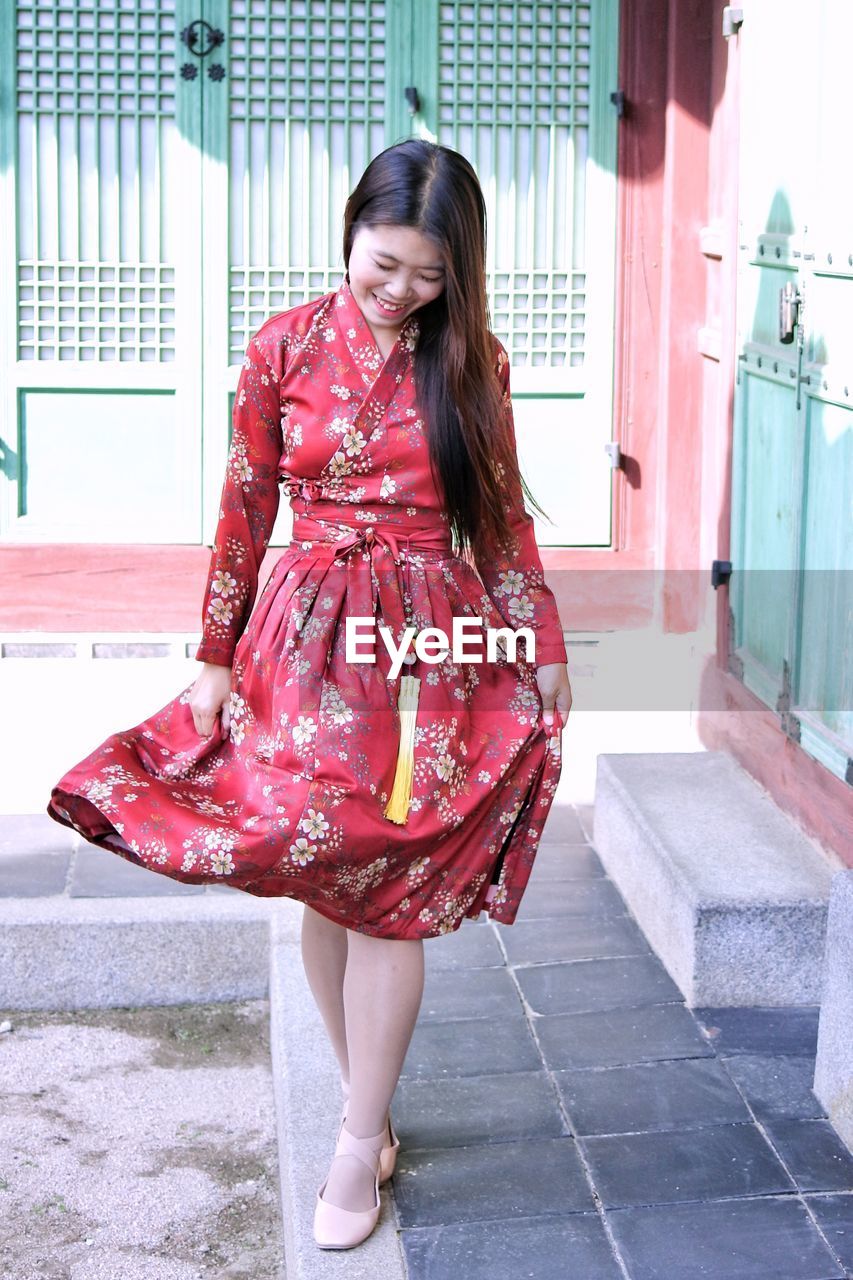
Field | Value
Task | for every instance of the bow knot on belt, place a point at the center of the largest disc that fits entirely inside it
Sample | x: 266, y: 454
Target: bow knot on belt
x: 372, y: 538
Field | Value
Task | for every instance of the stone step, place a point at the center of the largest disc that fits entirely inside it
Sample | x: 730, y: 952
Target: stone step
x: 728, y: 890
x: 833, y: 1082
x: 86, y: 953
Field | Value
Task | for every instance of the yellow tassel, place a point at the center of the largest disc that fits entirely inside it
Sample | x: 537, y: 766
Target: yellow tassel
x: 397, y: 808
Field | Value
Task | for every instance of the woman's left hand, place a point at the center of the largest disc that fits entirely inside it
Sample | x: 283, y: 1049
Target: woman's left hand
x: 553, y: 681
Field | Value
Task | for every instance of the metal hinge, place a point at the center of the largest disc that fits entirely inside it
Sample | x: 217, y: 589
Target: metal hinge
x: 617, y: 97
x: 721, y: 571
x: 735, y: 662
x: 732, y: 20
x: 790, y: 723
x: 614, y: 453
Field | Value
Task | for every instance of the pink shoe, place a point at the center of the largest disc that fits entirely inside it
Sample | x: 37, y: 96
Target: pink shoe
x: 388, y: 1155
x: 338, y: 1228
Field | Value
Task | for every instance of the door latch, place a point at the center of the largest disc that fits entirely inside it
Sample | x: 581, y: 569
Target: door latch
x: 790, y: 301
x: 732, y: 20
x: 791, y: 328
x: 721, y: 572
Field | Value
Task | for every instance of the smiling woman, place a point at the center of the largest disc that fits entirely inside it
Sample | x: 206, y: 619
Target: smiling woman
x: 393, y: 271
x: 383, y: 409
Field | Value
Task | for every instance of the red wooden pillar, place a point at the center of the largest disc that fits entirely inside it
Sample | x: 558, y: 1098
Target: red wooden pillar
x: 665, y: 63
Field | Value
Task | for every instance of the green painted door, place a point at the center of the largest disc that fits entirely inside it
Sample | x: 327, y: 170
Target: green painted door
x: 100, y: 346
x: 523, y: 90
x: 792, y: 495
x: 181, y: 175
x: 288, y: 135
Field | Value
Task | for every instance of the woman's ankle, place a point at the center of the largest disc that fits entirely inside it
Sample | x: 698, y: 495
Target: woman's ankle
x: 376, y: 1140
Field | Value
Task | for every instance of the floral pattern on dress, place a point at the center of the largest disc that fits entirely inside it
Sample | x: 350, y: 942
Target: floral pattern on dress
x: 290, y: 801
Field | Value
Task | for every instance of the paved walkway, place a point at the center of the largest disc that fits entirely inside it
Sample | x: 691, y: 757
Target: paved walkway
x: 561, y: 1112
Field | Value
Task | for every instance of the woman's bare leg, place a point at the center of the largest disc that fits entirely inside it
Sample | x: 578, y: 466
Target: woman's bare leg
x: 383, y: 988
x: 324, y: 955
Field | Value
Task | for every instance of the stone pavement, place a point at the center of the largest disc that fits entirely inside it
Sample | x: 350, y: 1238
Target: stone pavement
x: 561, y: 1112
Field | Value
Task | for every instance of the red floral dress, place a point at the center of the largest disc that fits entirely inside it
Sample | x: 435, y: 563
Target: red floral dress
x: 290, y: 802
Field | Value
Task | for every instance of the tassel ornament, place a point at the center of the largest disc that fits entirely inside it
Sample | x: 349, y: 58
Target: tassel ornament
x: 397, y: 808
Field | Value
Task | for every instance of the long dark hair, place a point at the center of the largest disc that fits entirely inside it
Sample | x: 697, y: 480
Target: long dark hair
x: 420, y: 184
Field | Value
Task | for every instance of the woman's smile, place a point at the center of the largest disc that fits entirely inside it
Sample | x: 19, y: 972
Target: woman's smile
x: 389, y: 307
x: 401, y: 260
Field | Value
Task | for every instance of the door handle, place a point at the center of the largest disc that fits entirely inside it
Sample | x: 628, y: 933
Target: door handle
x: 201, y: 39
x: 790, y: 300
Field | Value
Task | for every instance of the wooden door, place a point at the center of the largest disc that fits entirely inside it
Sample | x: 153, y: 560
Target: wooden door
x: 792, y: 504
x: 100, y: 346
x: 303, y: 112
x: 523, y: 90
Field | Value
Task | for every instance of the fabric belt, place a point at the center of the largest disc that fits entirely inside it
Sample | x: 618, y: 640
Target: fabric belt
x: 379, y: 539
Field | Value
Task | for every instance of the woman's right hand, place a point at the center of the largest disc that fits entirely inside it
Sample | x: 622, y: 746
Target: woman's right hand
x: 210, y: 696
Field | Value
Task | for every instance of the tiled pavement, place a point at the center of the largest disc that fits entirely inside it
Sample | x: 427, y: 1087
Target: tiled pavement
x: 41, y: 858
x: 561, y: 1113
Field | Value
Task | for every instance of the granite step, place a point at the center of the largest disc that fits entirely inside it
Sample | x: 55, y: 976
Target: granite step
x: 728, y: 890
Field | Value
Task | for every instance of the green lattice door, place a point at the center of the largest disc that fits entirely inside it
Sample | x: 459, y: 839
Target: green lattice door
x: 523, y: 90
x: 180, y: 175
x: 792, y: 515
x: 302, y: 114
x: 99, y: 340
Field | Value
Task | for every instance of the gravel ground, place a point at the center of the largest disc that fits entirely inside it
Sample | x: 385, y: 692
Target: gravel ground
x: 139, y: 1144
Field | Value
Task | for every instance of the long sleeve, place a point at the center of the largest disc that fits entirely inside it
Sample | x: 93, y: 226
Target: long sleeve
x: 516, y: 584
x: 247, y: 509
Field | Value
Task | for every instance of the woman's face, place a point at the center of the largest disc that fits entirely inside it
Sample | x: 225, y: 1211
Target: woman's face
x: 395, y: 266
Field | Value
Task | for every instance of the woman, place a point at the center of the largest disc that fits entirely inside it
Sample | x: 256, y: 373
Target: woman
x: 392, y: 805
